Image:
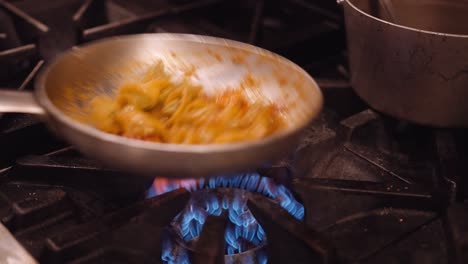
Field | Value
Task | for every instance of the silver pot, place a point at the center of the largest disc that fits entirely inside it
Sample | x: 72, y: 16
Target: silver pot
x: 402, y: 66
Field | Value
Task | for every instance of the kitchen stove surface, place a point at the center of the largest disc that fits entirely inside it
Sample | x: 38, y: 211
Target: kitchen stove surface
x: 361, y: 188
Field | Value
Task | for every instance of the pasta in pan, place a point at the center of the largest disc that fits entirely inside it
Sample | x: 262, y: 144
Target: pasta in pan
x: 159, y: 110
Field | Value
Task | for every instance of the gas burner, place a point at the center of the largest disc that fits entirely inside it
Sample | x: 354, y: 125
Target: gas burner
x: 244, y: 237
x: 397, y: 189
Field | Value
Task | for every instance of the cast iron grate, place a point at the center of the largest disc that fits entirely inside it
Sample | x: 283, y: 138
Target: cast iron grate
x: 396, y: 189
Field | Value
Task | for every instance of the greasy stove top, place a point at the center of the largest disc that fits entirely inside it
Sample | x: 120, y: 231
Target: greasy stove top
x: 365, y: 188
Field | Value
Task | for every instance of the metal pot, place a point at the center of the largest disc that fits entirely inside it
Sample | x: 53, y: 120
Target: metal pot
x: 402, y: 66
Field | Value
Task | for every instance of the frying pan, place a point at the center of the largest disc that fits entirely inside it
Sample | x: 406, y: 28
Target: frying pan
x: 65, y: 86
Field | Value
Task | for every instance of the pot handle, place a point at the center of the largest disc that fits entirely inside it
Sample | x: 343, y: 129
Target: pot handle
x: 19, y: 102
x: 340, y: 2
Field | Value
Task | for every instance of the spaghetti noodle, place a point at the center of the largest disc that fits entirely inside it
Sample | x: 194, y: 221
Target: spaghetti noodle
x: 159, y: 110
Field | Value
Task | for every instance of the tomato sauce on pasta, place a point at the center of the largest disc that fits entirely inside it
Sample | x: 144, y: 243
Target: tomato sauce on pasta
x: 159, y: 110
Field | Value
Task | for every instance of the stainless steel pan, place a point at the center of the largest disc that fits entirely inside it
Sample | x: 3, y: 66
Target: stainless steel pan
x: 64, y: 87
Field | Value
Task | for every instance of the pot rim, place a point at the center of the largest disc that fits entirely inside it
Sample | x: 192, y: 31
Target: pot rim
x: 463, y: 36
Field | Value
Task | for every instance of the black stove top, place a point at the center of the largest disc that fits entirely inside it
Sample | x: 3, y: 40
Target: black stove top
x: 361, y: 188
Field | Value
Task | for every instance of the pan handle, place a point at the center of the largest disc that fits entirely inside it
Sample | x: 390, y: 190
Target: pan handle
x: 19, y: 102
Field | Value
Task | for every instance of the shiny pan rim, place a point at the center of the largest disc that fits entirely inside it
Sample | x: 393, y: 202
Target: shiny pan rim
x: 349, y: 2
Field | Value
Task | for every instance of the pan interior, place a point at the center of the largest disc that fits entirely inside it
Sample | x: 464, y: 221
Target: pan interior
x: 441, y: 16
x: 100, y: 68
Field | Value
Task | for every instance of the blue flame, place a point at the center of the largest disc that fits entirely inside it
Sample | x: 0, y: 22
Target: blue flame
x: 172, y: 254
x: 243, y: 231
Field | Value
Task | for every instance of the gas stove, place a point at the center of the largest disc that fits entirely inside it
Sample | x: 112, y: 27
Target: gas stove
x: 361, y: 187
